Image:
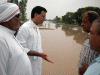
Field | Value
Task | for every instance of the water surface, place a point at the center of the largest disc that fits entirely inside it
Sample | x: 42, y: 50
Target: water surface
x: 63, y: 46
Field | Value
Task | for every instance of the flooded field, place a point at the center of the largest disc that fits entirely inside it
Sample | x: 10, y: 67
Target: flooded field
x: 62, y: 45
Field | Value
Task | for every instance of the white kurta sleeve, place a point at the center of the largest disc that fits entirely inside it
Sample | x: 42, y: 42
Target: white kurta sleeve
x: 4, y: 57
x: 22, y: 37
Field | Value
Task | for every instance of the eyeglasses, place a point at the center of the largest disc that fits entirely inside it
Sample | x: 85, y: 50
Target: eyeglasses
x: 17, y: 15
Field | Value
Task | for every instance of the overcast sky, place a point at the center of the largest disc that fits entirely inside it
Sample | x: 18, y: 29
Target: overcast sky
x: 60, y: 7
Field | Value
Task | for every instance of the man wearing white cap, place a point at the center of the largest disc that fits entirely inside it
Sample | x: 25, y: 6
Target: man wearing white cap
x: 13, y: 58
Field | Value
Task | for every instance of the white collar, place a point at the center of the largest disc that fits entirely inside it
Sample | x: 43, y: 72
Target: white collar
x: 7, y: 30
x: 33, y: 24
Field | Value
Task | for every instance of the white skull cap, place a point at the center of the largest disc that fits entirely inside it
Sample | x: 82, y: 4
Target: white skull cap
x: 8, y: 11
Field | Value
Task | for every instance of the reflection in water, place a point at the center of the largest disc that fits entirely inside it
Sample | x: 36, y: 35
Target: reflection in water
x: 48, y: 25
x: 62, y: 45
x: 57, y: 25
x: 70, y: 30
x: 76, y: 32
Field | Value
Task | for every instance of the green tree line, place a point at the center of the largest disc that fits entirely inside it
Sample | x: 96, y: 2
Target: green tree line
x: 76, y: 17
x: 22, y: 6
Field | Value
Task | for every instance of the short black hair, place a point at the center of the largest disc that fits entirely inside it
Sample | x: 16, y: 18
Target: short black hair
x: 37, y: 10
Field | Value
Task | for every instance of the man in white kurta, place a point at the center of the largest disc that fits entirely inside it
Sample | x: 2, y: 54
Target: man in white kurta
x: 30, y: 38
x: 13, y: 58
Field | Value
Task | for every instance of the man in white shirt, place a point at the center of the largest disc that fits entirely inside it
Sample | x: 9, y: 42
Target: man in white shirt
x: 30, y: 38
x: 13, y: 58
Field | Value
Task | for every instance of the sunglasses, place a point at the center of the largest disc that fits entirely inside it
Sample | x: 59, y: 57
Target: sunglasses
x: 17, y: 15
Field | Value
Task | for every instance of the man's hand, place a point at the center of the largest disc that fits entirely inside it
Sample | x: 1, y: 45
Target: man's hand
x: 44, y: 56
x: 83, y: 69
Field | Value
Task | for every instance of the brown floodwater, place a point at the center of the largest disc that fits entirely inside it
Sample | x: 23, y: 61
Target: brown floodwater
x: 63, y: 46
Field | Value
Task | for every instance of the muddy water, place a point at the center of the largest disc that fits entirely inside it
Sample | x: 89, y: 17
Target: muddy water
x: 62, y: 45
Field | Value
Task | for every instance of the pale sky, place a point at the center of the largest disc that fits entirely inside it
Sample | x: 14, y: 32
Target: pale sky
x: 2, y: 1
x: 60, y: 7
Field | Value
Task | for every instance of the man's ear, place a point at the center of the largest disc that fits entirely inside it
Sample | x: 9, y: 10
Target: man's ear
x: 35, y: 15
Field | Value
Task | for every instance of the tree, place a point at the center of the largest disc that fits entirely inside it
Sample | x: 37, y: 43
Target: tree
x: 76, y: 17
x: 81, y: 11
x: 10, y: 1
x: 57, y: 19
x: 68, y: 18
x: 22, y: 7
x: 13, y: 1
